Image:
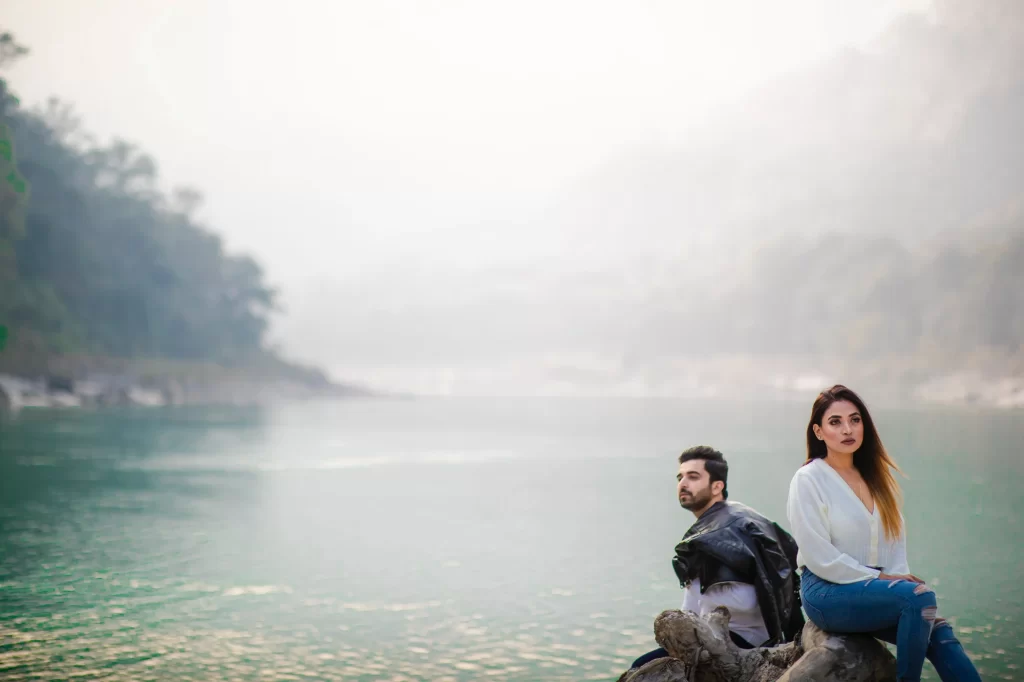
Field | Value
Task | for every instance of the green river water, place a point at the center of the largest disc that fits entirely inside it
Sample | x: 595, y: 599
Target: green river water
x: 434, y: 539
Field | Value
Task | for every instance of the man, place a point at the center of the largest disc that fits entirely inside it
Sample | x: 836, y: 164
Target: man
x: 733, y: 557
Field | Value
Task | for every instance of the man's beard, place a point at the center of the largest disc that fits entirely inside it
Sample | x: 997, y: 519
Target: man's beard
x: 697, y: 500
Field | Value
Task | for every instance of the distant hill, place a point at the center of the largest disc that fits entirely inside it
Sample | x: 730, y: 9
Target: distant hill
x: 861, y: 218
x: 98, y: 267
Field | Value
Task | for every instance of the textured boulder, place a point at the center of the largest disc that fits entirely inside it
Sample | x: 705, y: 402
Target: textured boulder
x: 700, y: 650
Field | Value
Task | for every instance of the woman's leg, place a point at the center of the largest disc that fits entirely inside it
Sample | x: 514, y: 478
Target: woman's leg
x: 875, y: 605
x: 944, y: 651
x: 948, y: 655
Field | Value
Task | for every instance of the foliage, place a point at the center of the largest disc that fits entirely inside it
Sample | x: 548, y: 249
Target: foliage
x: 861, y: 297
x: 95, y: 259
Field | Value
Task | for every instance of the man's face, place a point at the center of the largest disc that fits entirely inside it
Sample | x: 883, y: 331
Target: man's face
x: 693, y: 485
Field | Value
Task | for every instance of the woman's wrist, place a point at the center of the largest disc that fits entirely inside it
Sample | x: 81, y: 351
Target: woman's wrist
x: 900, y: 576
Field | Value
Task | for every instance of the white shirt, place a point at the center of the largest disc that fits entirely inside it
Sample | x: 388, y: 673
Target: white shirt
x: 741, y: 600
x: 839, y: 539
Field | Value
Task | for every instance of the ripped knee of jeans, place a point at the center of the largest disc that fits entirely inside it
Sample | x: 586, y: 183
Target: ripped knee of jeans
x: 930, y: 613
x: 922, y: 588
x: 943, y: 633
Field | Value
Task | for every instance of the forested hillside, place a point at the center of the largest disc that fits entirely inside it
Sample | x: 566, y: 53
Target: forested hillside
x: 96, y: 260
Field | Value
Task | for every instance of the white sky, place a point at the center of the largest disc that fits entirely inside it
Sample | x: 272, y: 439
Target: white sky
x: 339, y: 137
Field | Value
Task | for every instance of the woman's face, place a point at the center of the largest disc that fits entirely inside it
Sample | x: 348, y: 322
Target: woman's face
x: 842, y: 427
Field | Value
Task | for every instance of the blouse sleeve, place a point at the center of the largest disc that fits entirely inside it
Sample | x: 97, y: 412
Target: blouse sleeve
x: 807, y: 517
x: 898, y: 562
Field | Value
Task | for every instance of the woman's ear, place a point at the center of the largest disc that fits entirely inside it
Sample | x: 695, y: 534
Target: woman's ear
x: 817, y: 432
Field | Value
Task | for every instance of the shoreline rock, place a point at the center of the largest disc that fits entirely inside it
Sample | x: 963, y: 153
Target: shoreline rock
x: 102, y: 391
x: 700, y: 650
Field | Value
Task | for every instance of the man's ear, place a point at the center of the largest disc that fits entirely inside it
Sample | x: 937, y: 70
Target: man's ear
x: 720, y: 487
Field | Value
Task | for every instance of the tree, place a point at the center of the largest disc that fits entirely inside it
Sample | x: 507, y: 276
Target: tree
x: 99, y: 260
x: 13, y: 188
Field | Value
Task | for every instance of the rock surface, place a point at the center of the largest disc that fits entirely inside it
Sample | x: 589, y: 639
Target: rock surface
x: 701, y: 651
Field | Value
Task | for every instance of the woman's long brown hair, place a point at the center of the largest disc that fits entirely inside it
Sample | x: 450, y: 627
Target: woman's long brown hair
x: 871, y: 459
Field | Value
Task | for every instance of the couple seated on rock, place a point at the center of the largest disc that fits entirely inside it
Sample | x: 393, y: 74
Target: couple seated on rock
x: 846, y: 562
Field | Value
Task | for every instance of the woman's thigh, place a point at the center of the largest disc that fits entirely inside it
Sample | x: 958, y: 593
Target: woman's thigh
x: 864, y: 606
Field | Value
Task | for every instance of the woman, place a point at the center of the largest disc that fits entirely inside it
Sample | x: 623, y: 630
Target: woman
x: 844, y: 511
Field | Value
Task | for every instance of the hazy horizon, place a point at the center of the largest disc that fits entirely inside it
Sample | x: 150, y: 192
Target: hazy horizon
x: 537, y: 198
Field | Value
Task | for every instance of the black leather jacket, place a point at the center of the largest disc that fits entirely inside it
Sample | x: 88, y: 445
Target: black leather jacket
x: 733, y: 543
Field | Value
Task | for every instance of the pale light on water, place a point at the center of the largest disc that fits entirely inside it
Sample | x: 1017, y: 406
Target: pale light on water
x: 435, y: 539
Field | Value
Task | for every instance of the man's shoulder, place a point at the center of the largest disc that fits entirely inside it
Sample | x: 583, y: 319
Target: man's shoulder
x: 727, y: 516
x: 740, y: 510
x: 748, y: 520
x: 730, y: 516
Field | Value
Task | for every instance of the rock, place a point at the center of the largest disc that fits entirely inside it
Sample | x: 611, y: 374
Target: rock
x: 20, y: 393
x: 172, y: 392
x: 6, y: 402
x: 701, y: 650
x: 64, y: 399
x: 144, y: 397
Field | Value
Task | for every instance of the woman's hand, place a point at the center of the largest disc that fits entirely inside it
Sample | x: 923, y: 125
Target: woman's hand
x: 901, y: 576
x: 909, y: 577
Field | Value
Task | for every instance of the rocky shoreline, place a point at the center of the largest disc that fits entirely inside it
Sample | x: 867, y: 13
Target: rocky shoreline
x: 100, y: 391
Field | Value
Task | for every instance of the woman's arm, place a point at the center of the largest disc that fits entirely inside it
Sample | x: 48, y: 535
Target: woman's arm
x: 807, y: 518
x: 898, y: 568
x: 898, y: 563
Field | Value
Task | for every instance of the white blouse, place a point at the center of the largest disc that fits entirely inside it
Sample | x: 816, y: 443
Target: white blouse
x: 839, y: 539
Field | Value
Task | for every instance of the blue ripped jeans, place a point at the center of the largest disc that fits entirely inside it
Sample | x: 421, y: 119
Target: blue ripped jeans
x: 892, y: 611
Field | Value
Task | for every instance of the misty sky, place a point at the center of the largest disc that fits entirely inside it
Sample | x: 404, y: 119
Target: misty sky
x: 381, y: 158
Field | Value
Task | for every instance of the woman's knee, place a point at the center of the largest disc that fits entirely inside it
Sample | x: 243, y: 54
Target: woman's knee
x: 924, y: 601
x: 917, y: 596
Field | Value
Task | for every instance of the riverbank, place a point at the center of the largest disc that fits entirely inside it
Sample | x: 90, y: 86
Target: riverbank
x: 983, y: 378
x: 72, y: 381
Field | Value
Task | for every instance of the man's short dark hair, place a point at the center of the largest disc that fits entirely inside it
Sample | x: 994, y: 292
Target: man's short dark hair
x: 714, y: 463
